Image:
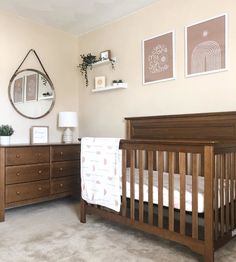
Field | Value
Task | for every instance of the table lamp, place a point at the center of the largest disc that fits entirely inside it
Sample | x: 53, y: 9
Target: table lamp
x: 67, y: 120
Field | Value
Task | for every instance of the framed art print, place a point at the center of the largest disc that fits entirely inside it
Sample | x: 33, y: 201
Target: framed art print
x: 206, y: 46
x: 100, y: 82
x: 18, y: 90
x: 159, y: 58
x: 104, y: 55
x: 31, y: 87
x: 39, y: 134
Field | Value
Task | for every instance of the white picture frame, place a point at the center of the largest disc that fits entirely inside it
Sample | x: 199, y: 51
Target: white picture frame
x: 100, y: 82
x: 39, y: 134
x: 200, y: 37
x: 159, y: 58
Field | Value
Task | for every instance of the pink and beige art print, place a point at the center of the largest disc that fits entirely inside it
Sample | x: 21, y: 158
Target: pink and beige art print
x: 206, y: 48
x: 158, y: 58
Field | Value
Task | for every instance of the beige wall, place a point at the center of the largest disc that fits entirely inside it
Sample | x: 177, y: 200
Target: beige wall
x: 58, y: 53
x: 102, y: 114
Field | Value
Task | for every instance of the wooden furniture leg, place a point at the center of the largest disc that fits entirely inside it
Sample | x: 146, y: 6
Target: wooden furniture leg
x: 82, y: 211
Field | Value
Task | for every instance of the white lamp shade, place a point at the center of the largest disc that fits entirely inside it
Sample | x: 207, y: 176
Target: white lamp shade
x: 68, y: 119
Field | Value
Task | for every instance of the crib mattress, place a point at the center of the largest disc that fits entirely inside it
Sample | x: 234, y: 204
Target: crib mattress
x: 188, y: 192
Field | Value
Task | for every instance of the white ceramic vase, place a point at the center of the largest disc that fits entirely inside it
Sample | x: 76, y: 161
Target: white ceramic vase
x: 5, y: 140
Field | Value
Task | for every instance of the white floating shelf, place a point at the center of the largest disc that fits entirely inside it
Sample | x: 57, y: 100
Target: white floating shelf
x: 45, y: 98
x: 105, y: 61
x: 109, y: 88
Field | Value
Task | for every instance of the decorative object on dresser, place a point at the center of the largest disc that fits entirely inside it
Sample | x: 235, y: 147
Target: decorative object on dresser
x: 31, y: 91
x: 159, y: 58
x: 36, y: 173
x: 68, y: 120
x: 5, y: 134
x: 39, y: 134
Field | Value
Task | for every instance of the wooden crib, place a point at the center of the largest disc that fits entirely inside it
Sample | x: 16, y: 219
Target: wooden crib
x: 176, y: 147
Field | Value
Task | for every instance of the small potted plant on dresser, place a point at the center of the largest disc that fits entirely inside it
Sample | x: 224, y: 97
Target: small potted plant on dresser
x: 5, y: 133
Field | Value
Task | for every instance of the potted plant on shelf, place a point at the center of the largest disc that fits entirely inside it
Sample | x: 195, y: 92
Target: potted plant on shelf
x: 5, y: 133
x: 87, y: 62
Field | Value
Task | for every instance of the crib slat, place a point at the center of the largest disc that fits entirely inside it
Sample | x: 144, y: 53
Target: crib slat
x: 216, y: 200
x: 132, y: 181
x: 171, y: 191
x: 124, y: 165
x: 182, y: 171
x: 222, y: 195
x: 227, y: 191
x: 140, y: 159
x: 232, y: 189
x: 160, y: 188
x: 195, y: 197
x: 150, y: 187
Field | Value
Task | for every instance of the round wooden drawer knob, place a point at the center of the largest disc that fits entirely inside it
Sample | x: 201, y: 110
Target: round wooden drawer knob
x: 18, y: 193
x: 17, y: 156
x: 40, y: 188
x: 40, y: 171
x: 18, y: 173
x: 61, y: 169
x: 61, y: 185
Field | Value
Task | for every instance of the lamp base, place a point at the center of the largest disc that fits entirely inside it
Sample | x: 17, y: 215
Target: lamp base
x: 67, y: 137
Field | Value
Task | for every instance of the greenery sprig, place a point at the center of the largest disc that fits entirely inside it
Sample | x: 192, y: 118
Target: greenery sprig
x: 6, y: 130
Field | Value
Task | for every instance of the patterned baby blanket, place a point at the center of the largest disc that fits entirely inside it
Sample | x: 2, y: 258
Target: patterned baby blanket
x: 101, y: 171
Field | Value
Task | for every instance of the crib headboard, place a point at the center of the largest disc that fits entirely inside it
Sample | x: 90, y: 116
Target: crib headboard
x: 203, y: 126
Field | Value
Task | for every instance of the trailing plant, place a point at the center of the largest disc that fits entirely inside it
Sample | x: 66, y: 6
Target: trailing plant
x: 6, y: 130
x: 87, y: 62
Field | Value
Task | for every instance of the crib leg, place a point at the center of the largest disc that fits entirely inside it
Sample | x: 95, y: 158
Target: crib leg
x: 209, y: 255
x: 82, y: 211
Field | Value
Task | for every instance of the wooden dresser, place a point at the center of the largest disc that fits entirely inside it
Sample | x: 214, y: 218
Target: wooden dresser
x: 36, y: 173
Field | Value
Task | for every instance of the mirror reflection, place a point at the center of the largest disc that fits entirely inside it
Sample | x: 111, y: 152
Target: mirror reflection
x: 31, y: 93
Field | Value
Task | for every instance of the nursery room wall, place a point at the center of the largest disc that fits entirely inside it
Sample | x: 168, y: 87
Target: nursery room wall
x: 58, y: 53
x: 102, y: 113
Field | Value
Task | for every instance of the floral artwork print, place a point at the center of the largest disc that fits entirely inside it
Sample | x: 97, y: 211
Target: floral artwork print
x: 158, y: 58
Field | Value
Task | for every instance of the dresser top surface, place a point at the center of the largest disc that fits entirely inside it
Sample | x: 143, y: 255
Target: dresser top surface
x: 34, y: 145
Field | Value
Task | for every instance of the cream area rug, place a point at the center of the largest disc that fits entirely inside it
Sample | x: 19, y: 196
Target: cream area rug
x: 51, y: 232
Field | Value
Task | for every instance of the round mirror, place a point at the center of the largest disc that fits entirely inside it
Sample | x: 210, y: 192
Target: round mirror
x: 31, y: 93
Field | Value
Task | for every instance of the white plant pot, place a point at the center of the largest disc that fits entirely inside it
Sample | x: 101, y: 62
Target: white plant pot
x: 5, y: 140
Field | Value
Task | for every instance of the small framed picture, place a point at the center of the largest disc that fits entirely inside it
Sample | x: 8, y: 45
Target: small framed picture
x: 100, y: 82
x: 39, y: 135
x: 18, y: 91
x: 31, y: 87
x: 104, y: 55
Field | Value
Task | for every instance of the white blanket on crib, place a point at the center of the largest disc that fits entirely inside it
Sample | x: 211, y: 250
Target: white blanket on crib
x: 101, y: 171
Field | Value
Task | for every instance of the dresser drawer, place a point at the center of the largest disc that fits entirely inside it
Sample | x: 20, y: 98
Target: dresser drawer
x: 67, y: 168
x: 61, y: 185
x: 27, y: 191
x: 21, y: 174
x: 27, y: 155
x: 66, y: 152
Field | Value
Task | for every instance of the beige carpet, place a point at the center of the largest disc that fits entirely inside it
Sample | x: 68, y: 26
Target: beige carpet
x: 51, y: 232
